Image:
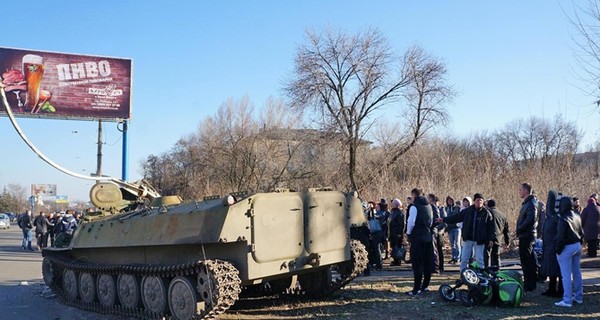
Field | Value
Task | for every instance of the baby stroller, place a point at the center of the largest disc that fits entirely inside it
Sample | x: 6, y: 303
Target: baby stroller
x: 484, y: 286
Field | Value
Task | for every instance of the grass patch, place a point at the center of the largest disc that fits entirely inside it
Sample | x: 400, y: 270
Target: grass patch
x: 384, y: 298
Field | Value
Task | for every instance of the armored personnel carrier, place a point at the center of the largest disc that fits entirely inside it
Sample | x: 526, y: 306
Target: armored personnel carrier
x: 191, y: 260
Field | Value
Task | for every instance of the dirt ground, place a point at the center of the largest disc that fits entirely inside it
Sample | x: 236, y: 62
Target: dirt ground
x: 381, y: 296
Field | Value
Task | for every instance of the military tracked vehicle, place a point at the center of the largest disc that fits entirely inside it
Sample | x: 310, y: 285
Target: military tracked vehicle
x: 191, y: 260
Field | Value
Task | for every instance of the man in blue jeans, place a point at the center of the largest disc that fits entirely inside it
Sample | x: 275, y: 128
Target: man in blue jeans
x: 25, y: 224
x: 453, y: 229
x: 477, y: 230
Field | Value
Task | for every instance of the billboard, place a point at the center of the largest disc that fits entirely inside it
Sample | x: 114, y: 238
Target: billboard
x: 65, y: 86
x: 62, y: 199
x: 41, y: 190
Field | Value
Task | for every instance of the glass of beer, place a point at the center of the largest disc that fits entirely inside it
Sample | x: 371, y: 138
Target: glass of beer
x: 33, y: 69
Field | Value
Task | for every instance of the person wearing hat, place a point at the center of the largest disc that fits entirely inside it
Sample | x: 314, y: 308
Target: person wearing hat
x: 478, y: 230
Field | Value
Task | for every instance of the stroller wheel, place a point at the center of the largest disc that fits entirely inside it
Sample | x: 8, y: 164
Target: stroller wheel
x: 447, y: 293
x: 470, y: 277
x: 466, y: 298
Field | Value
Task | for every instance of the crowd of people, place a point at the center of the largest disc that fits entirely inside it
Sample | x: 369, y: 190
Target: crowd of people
x: 478, y: 231
x: 58, y: 227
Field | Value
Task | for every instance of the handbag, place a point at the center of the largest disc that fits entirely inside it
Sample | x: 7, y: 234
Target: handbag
x: 398, y: 253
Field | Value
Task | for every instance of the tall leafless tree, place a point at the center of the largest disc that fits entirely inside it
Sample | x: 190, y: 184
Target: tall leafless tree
x: 348, y: 78
x: 537, y: 140
x: 19, y: 194
x: 235, y: 149
x: 585, y: 19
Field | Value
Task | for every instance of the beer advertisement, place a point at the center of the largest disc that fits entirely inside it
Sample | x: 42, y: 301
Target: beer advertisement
x: 65, y: 86
x: 39, y: 190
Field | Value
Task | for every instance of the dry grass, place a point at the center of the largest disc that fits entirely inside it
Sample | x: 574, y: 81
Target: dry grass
x: 382, y: 297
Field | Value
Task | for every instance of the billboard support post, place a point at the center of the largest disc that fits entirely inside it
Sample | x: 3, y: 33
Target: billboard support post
x: 99, y: 159
x: 125, y: 152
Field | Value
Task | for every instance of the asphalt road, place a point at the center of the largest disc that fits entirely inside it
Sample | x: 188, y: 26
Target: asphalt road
x: 23, y: 294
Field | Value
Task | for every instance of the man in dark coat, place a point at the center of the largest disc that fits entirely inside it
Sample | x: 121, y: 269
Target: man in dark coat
x: 25, y: 223
x: 526, y: 231
x: 396, y: 230
x: 590, y: 218
x: 437, y: 233
x: 549, y: 263
x: 41, y: 224
x: 418, y: 229
x: 477, y: 230
x: 492, y: 254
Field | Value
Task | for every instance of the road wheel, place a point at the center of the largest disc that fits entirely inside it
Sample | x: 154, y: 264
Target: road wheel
x: 69, y: 284
x: 49, y: 274
x: 154, y: 294
x: 182, y: 298
x: 107, y: 292
x: 87, y: 287
x: 128, y: 291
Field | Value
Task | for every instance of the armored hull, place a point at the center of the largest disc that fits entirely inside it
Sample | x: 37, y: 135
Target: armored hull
x: 192, y: 260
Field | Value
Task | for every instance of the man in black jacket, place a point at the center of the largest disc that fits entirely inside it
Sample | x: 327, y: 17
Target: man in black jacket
x: 477, y: 230
x: 492, y: 254
x: 526, y: 231
x: 418, y: 229
x: 437, y: 233
x: 42, y: 224
x: 25, y: 223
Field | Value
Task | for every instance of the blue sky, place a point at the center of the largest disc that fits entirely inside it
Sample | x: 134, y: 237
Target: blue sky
x: 508, y: 60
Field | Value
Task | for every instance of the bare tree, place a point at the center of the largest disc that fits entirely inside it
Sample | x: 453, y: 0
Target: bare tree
x: 585, y: 18
x: 537, y: 141
x: 233, y: 150
x: 426, y: 95
x: 19, y: 194
x: 347, y: 78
